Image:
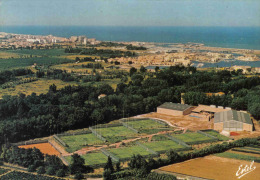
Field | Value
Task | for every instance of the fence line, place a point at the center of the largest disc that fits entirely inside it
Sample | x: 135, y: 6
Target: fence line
x: 29, y: 142
x: 107, y: 153
x: 208, y: 135
x: 59, y: 141
x: 146, y: 148
x: 97, y: 134
x: 177, y: 140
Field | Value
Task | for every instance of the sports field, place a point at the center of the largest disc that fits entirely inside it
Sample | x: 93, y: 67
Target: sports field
x: 145, y: 124
x: 116, y: 134
x: 212, y: 167
x: 45, y: 148
x: 192, y: 138
x: 163, y: 145
x: 76, y: 142
x: 217, y: 135
x: 127, y: 152
x: 92, y: 158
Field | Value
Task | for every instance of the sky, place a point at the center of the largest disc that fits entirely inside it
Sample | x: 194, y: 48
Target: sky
x: 130, y: 12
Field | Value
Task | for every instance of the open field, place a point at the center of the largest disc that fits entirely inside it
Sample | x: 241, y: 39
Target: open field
x: 25, y: 62
x: 45, y: 148
x: 163, y: 145
x: 191, y: 123
x: 7, y: 55
x: 217, y: 135
x: 39, y: 52
x: 81, y: 56
x: 191, y: 138
x: 127, y: 152
x: 239, y: 156
x: 92, y: 158
x: 115, y: 134
x: 212, y: 167
x: 76, y: 142
x: 38, y: 87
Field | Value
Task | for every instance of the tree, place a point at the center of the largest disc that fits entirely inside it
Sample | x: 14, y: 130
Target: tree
x: 118, y: 167
x: 132, y: 71
x: 109, y: 165
x: 77, y: 165
x: 77, y: 59
x: 156, y: 69
x: 142, y: 69
x: 41, y: 170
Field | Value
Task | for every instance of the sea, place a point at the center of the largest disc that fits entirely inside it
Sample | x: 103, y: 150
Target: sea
x: 228, y: 37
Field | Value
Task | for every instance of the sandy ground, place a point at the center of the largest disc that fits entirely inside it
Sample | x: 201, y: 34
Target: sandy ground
x: 45, y: 148
x: 213, y: 167
x: 186, y: 122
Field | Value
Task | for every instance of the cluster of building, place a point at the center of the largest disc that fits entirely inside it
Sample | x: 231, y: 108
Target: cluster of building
x: 16, y: 41
x: 224, y: 119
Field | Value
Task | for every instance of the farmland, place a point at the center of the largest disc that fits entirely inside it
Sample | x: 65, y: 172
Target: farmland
x: 192, y: 138
x: 248, y: 149
x: 76, y: 142
x: 127, y: 152
x: 8, y: 55
x: 25, y: 62
x: 38, y: 87
x: 39, y: 52
x: 2, y: 171
x: 45, y: 148
x: 238, y: 156
x: 21, y: 175
x: 207, y: 167
x: 163, y: 145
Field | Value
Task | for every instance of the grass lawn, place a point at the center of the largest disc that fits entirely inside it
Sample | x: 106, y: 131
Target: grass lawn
x: 191, y: 137
x: 76, y: 142
x: 237, y: 156
x: 91, y: 158
x: 217, y: 135
x: 127, y: 152
x: 38, y: 87
x: 116, y: 134
x: 25, y: 62
x: 163, y: 145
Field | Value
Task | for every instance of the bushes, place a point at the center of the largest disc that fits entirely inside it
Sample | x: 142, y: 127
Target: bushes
x: 31, y: 168
x: 50, y: 171
x: 60, y: 173
x: 157, y: 176
x: 41, y: 170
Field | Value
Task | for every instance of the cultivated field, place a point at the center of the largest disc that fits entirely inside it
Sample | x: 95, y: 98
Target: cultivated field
x: 239, y: 156
x: 45, y: 148
x: 40, y: 52
x: 127, y: 152
x: 192, y: 138
x: 38, y: 87
x: 116, y: 134
x: 25, y: 62
x: 163, y: 145
x: 17, y: 175
x: 212, y: 167
x: 248, y: 149
x: 7, y: 55
x: 76, y: 142
x: 2, y: 171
